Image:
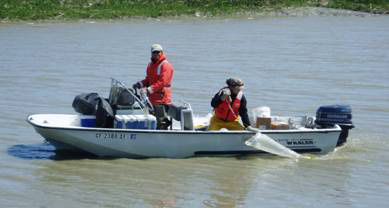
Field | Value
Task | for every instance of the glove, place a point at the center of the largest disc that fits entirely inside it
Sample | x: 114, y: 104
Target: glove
x: 143, y: 91
x: 136, y: 85
x: 225, y: 93
x: 250, y: 128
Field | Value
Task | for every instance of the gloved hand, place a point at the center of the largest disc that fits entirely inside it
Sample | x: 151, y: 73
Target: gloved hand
x: 136, y: 85
x: 143, y: 91
x: 250, y: 128
x: 225, y: 93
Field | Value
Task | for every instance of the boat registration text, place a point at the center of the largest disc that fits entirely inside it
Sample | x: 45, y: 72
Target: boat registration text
x: 114, y: 135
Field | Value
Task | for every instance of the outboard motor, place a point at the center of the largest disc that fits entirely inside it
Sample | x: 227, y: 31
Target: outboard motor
x: 85, y: 103
x: 329, y: 115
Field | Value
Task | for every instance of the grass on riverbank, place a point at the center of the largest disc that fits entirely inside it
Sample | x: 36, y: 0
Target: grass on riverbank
x: 370, y: 6
x: 113, y: 9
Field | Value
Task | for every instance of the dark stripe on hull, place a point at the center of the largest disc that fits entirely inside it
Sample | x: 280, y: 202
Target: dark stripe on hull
x: 199, y: 153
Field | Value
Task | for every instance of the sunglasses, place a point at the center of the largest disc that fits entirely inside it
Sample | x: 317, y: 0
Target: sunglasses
x: 237, y: 85
x: 155, y: 52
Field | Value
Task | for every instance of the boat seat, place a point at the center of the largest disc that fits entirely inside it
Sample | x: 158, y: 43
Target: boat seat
x: 183, y: 114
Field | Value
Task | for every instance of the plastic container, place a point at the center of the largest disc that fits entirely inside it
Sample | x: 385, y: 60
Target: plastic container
x: 141, y: 121
x: 118, y: 122
x: 187, y: 119
x: 125, y: 122
x: 87, y: 121
x: 152, y: 122
x: 261, y: 112
x: 135, y: 122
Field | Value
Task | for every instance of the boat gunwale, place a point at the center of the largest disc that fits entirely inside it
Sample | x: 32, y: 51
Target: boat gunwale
x: 153, y: 131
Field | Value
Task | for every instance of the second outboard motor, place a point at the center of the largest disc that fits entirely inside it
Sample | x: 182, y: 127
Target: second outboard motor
x: 329, y: 115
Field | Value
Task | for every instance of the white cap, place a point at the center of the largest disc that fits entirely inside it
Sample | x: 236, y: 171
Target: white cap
x: 156, y: 47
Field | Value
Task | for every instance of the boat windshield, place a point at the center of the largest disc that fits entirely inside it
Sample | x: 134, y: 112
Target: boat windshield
x: 118, y: 90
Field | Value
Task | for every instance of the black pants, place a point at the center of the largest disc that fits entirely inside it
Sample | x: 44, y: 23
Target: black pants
x: 160, y: 112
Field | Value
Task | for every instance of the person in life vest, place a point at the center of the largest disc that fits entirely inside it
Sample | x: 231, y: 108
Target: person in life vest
x: 230, y: 105
x: 157, y: 85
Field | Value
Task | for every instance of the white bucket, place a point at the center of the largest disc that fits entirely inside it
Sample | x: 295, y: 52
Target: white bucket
x: 261, y: 112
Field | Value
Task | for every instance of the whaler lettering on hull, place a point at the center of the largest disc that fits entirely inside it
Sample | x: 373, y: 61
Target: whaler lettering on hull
x: 291, y: 142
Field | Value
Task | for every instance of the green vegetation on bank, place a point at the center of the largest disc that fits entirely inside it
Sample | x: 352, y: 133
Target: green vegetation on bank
x: 370, y: 6
x: 113, y: 9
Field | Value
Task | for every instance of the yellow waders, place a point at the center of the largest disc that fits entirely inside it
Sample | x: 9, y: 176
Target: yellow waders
x: 217, y: 124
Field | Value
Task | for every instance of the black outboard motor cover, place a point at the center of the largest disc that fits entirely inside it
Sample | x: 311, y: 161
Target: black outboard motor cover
x: 104, y: 114
x: 330, y: 115
x: 85, y: 103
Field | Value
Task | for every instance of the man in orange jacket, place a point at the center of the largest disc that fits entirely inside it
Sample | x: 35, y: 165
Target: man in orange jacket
x: 157, y: 84
x: 230, y: 105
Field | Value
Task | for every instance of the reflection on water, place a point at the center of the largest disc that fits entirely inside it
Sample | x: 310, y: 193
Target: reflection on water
x: 197, y: 182
x: 46, y: 151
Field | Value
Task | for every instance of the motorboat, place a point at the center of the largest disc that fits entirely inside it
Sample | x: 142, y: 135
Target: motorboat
x: 133, y: 133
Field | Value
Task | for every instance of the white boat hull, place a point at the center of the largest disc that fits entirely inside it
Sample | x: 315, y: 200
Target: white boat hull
x: 173, y: 143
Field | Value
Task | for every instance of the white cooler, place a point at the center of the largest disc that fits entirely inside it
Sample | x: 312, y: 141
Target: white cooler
x: 135, y: 122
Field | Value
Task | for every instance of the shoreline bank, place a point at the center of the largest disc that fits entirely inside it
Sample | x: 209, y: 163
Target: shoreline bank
x: 63, y: 10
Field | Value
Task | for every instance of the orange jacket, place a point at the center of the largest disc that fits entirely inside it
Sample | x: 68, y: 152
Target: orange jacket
x: 158, y: 79
x: 223, y: 110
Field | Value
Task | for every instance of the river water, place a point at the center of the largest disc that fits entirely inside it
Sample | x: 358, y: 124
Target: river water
x: 291, y: 64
